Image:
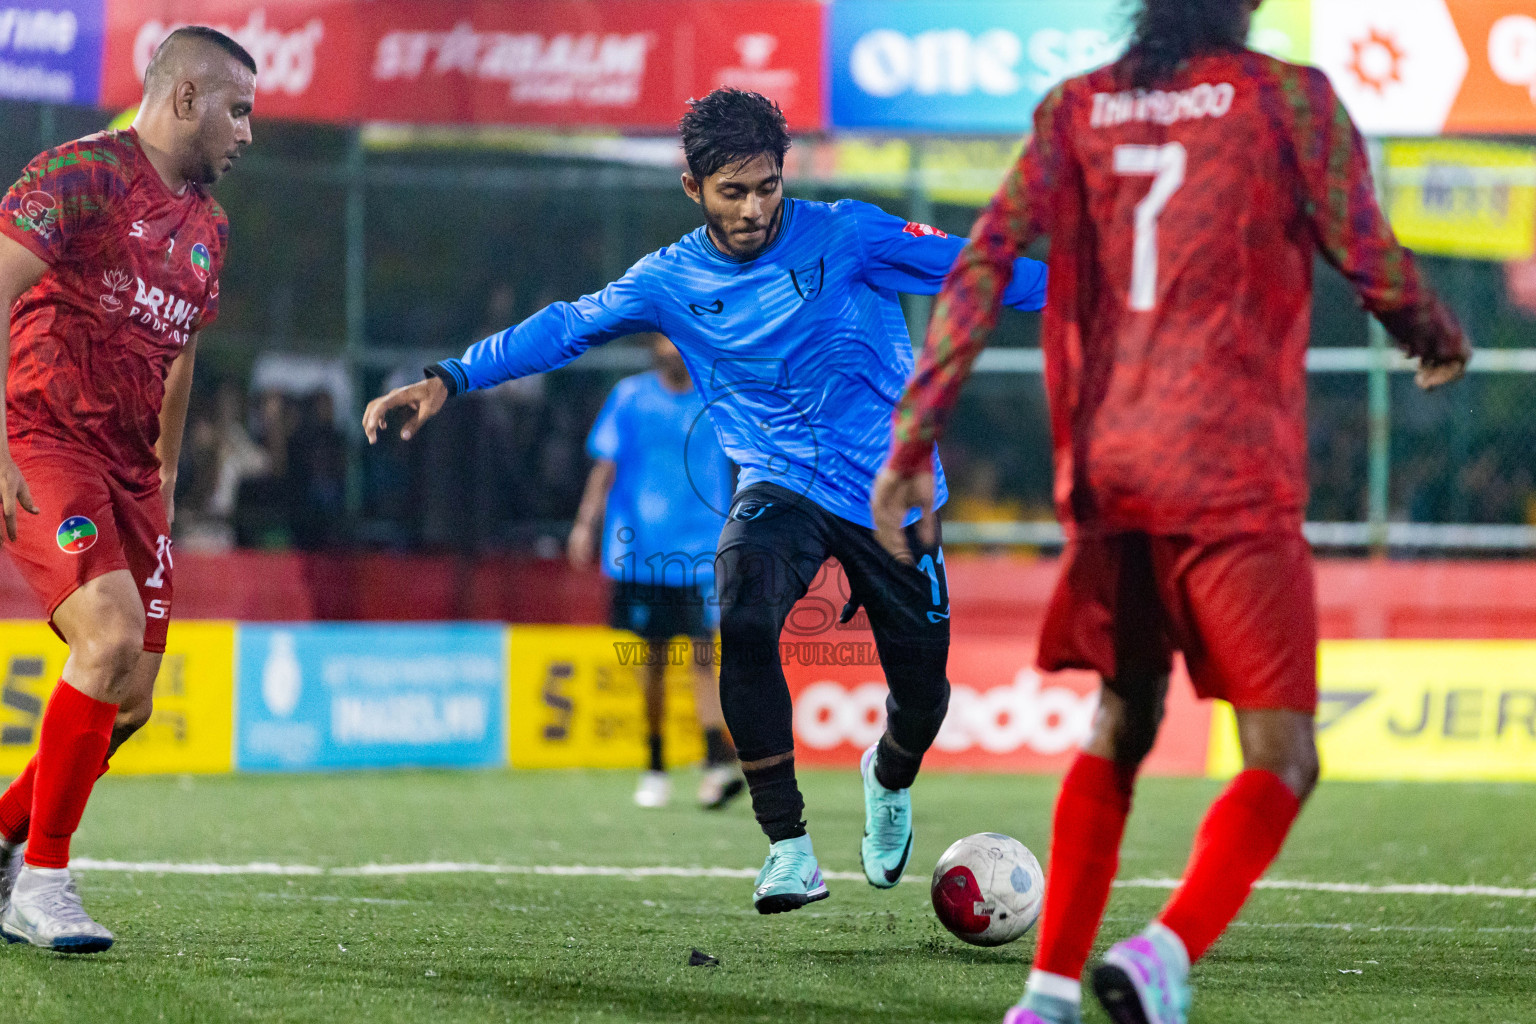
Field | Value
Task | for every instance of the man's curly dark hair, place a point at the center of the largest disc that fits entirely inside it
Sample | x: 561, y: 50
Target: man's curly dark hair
x: 1165, y: 33
x: 729, y: 126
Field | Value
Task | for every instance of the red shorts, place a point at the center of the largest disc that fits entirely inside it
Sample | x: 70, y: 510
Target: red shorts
x: 89, y: 525
x: 1242, y: 609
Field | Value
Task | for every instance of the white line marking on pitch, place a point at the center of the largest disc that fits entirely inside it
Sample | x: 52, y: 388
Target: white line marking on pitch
x: 587, y: 871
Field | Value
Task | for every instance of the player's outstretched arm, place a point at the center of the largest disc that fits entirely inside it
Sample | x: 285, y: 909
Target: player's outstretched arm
x: 424, y: 399
x: 1356, y: 238
x: 965, y: 316
x: 581, y: 547
x: 20, y: 269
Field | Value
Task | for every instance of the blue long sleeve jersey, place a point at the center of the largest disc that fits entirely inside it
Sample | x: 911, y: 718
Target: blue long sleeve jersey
x: 799, y: 354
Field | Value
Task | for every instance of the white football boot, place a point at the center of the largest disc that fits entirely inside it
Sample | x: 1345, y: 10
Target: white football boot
x: 721, y: 784
x: 10, y: 867
x: 45, y: 910
x: 654, y: 790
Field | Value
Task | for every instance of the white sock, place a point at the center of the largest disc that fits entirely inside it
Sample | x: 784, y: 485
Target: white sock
x: 1169, y: 939
x: 1056, y: 986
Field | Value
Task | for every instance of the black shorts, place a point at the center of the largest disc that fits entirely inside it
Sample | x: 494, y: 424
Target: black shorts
x: 774, y: 544
x: 659, y: 612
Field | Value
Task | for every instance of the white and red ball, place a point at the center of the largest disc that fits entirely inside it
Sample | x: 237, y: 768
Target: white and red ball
x: 988, y: 888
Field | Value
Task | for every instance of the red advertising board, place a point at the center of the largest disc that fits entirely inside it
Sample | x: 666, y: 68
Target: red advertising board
x: 631, y: 64
x: 1004, y: 715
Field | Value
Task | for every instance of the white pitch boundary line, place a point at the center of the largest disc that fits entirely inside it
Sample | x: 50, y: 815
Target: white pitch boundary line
x: 595, y: 871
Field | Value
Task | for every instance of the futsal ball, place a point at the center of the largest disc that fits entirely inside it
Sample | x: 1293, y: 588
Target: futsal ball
x: 988, y: 888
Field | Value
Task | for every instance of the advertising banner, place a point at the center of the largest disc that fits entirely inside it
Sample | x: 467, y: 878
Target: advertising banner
x: 1004, y: 716
x: 1475, y: 200
x: 538, y: 62
x: 1454, y: 710
x: 1423, y: 67
x: 360, y: 695
x: 190, y: 730
x: 50, y: 50
x: 576, y: 699
x: 982, y: 66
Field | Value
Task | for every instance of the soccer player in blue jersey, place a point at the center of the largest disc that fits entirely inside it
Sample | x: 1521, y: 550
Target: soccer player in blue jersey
x: 787, y: 316
x: 660, y: 486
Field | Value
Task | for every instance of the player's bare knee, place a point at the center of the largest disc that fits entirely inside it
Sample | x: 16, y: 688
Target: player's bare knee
x: 109, y: 653
x: 1125, y: 730
x: 1283, y: 743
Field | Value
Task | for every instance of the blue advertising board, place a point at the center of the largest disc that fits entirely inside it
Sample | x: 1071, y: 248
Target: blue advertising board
x: 50, y: 50
x: 355, y: 695
x: 977, y: 66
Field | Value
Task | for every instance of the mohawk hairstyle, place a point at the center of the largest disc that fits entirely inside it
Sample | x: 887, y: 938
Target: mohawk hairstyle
x: 203, y: 32
x: 1166, y: 33
x: 729, y: 126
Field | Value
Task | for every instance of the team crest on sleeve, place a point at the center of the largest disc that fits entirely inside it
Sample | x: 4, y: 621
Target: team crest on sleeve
x: 76, y: 534
x: 808, y: 280
x: 924, y: 230
x: 202, y: 262
x: 39, y: 213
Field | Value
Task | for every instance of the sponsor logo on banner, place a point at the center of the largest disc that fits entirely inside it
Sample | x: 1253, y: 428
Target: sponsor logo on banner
x: 1398, y: 65
x: 1453, y: 197
x: 190, y: 730
x: 588, y: 69
x: 758, y: 72
x: 356, y: 695
x: 1512, y: 51
x: 1024, y: 716
x: 576, y: 701
x: 285, y: 59
x: 50, y: 51
x: 977, y: 65
x: 1416, y: 709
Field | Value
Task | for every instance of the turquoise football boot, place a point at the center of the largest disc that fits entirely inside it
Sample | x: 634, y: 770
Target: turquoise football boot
x: 887, y: 842
x: 790, y: 878
x: 1145, y: 980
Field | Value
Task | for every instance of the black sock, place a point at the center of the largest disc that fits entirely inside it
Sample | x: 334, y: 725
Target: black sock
x: 718, y: 749
x: 894, y: 767
x: 657, y: 764
x: 776, y: 801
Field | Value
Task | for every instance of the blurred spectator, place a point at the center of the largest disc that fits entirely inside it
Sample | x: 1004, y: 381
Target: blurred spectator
x: 317, y: 473
x: 219, y: 455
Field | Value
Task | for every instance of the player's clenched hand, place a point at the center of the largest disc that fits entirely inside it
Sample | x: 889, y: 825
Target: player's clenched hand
x: 894, y: 496
x: 13, y: 492
x: 1438, y: 373
x: 425, y: 399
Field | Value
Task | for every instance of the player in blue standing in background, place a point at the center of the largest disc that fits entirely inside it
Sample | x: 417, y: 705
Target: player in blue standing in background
x: 787, y: 315
x: 660, y: 487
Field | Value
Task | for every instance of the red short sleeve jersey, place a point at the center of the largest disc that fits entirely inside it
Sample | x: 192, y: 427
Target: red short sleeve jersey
x: 1183, y: 224
x: 133, y: 273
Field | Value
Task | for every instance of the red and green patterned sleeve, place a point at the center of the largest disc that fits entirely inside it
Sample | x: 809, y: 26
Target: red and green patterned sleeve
x: 1352, y: 231
x: 967, y: 308
x: 60, y: 197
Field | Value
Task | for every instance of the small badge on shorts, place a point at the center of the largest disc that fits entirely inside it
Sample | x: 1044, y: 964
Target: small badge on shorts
x: 76, y: 534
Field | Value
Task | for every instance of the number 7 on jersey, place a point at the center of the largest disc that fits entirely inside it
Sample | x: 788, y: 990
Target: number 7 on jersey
x: 1166, y: 165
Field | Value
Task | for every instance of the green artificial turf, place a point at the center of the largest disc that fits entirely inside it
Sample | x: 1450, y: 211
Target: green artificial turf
x: 537, y: 948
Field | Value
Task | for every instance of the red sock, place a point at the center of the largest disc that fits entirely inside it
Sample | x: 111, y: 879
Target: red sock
x: 16, y: 804
x: 1085, y: 854
x: 76, y: 732
x: 1241, y: 835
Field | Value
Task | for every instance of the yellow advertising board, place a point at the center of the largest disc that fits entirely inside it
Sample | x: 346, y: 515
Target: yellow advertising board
x: 576, y: 700
x: 1457, y: 710
x: 1475, y: 200
x: 191, y: 730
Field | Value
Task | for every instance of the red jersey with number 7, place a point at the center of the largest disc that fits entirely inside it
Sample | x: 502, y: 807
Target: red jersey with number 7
x: 1183, y: 224
x: 133, y: 273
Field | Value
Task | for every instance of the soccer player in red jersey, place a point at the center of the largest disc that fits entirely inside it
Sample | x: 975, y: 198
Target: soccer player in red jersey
x: 110, y: 251
x: 1185, y: 189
